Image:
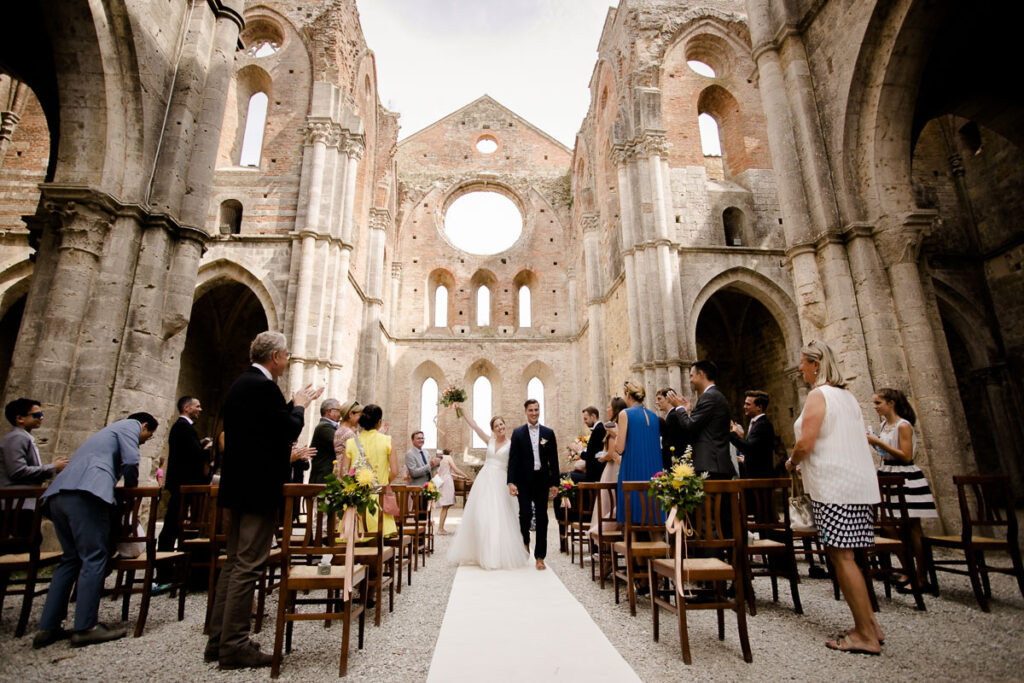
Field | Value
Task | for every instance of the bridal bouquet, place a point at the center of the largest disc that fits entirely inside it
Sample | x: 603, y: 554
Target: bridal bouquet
x: 356, y: 488
x: 430, y: 491
x: 680, y: 488
x: 452, y: 394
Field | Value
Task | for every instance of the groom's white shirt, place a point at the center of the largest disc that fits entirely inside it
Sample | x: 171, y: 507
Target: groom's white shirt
x: 535, y: 442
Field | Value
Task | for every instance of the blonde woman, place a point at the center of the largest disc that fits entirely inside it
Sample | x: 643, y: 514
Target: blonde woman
x: 638, y: 444
x: 348, y: 427
x: 833, y: 454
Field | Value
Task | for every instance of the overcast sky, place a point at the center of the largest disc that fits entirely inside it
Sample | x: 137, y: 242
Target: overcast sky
x: 533, y: 56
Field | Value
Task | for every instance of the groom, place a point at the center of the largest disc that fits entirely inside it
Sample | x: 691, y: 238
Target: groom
x: 533, y: 475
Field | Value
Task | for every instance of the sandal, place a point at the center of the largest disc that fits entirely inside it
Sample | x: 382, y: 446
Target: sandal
x: 843, y: 644
x: 844, y: 634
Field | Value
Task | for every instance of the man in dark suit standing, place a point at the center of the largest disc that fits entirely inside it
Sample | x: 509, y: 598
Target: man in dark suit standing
x: 592, y: 419
x: 259, y: 429
x: 187, y: 462
x: 706, y: 426
x: 533, y: 475
x: 758, y: 449
x: 323, y: 441
x: 673, y: 438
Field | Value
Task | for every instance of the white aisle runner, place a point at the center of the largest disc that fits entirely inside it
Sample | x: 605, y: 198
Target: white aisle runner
x: 520, y: 625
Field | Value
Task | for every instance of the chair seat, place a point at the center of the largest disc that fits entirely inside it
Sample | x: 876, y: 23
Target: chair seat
x: 765, y: 544
x: 366, y: 552
x: 308, y: 577
x: 580, y: 526
x: 393, y: 541
x: 129, y: 563
x: 642, y: 548
x: 957, y: 541
x: 882, y: 542
x: 617, y: 533
x: 14, y: 559
x: 197, y: 541
x: 696, y: 569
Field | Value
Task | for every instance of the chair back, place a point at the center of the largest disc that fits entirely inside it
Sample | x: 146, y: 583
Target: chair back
x: 306, y: 534
x: 709, y: 531
x: 194, y: 511
x: 763, y: 505
x: 652, y: 517
x: 892, y: 511
x: 16, y: 534
x: 986, y: 501
x: 135, y: 523
x: 584, y: 500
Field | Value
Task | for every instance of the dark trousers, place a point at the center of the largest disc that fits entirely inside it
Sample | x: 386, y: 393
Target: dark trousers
x: 169, y: 534
x: 535, y: 495
x: 249, y: 539
x: 82, y: 523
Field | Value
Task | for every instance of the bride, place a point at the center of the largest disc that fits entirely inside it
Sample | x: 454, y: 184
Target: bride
x: 489, y: 534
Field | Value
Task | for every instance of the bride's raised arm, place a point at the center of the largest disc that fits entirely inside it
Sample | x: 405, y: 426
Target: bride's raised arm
x: 469, y: 420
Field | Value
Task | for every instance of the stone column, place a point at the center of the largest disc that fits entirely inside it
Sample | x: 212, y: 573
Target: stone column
x: 369, y: 345
x: 13, y: 94
x: 352, y: 148
x: 640, y: 331
x: 396, y: 288
x: 598, y: 365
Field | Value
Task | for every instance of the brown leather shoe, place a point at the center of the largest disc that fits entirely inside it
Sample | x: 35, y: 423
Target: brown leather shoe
x: 244, y: 657
x: 45, y: 638
x: 100, y: 633
x: 540, y: 564
x: 212, y: 651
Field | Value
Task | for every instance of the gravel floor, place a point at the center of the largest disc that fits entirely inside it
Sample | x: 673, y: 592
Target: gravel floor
x: 952, y: 640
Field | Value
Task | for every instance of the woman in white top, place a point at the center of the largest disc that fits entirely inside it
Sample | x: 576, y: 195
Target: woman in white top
x: 839, y: 474
x: 447, y: 471
x: 895, y: 444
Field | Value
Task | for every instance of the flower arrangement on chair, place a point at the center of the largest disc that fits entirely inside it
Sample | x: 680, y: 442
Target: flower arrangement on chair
x: 566, y: 490
x: 679, y: 490
x: 352, y: 494
x: 430, y: 492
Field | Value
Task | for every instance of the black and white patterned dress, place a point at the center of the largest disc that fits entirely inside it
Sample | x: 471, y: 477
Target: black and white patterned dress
x: 920, y: 502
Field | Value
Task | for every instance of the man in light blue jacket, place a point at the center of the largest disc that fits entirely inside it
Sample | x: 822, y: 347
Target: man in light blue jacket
x: 80, y: 501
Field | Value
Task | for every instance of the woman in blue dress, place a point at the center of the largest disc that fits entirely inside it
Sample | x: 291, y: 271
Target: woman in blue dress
x: 639, y: 443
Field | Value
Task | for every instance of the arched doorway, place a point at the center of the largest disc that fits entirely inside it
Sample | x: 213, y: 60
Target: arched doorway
x: 745, y: 341
x: 10, y: 323
x: 225, y: 318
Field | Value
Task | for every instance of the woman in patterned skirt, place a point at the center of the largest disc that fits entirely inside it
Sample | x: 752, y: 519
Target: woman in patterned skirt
x: 896, y: 443
x: 839, y: 474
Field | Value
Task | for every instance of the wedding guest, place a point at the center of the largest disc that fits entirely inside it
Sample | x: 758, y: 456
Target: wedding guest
x: 638, y: 444
x: 592, y: 420
x: 706, y: 425
x: 375, y: 448
x: 839, y: 474
x: 447, y: 470
x: 20, y: 464
x: 673, y: 438
x: 758, y: 449
x: 610, y: 474
x: 419, y: 466
x: 896, y: 444
x: 348, y: 427
x: 323, y: 441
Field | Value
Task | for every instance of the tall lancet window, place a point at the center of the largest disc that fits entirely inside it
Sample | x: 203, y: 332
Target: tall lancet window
x: 481, y: 407
x: 255, y: 122
x: 535, y: 389
x: 428, y: 411
x: 483, y: 306
x: 441, y: 306
x: 524, y: 307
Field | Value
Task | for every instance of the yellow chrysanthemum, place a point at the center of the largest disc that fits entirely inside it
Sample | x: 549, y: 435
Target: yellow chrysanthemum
x: 682, y: 470
x: 364, y: 477
x: 349, y: 488
x: 677, y: 484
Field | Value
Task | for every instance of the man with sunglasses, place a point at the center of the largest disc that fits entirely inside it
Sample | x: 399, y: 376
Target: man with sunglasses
x: 20, y: 464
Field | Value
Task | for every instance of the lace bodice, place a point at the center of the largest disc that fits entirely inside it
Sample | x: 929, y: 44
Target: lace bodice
x: 498, y: 458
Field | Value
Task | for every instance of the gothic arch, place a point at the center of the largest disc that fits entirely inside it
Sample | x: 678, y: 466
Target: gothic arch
x: 216, y: 272
x: 758, y: 287
x: 964, y: 315
x: 14, y: 283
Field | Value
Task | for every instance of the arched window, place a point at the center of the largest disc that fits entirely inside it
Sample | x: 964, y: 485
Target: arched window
x: 481, y: 407
x: 230, y: 217
x: 255, y: 121
x: 535, y: 389
x: 732, y: 220
x: 483, y: 306
x: 524, y: 307
x: 441, y: 306
x: 428, y: 411
x: 710, y: 142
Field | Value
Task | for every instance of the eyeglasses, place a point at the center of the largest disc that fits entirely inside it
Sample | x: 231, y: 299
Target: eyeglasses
x: 37, y: 415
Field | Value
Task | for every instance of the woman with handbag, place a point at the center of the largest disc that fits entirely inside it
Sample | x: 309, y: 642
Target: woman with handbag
x: 374, y: 449
x: 834, y: 457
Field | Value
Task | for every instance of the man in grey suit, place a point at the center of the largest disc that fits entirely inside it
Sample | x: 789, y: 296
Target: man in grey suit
x: 417, y: 462
x: 706, y: 426
x: 20, y: 464
x: 80, y: 501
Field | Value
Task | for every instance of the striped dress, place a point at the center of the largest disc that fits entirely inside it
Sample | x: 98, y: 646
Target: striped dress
x: 920, y: 502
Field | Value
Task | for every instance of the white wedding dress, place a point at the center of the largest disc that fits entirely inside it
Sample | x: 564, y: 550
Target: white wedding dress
x: 489, y: 534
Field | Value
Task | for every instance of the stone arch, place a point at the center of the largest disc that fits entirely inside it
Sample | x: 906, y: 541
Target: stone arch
x: 483, y: 278
x: 426, y: 370
x: 440, y: 277
x: 216, y: 272
x: 229, y: 217
x: 14, y: 286
x: 757, y: 286
x: 484, y: 367
x: 964, y: 315
x: 546, y: 375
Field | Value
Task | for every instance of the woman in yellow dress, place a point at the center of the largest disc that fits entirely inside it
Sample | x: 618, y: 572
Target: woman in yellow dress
x: 375, y: 448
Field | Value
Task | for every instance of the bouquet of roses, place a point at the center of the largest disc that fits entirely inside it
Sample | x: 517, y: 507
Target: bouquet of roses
x: 430, y: 491
x: 452, y: 394
x: 680, y: 488
x: 356, y: 488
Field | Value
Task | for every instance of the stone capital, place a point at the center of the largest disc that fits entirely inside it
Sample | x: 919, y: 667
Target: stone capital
x: 380, y: 219
x: 353, y: 146
x: 326, y: 132
x: 589, y: 221
x: 622, y: 154
x: 652, y: 144
x: 8, y: 121
x: 900, y: 241
x: 83, y: 227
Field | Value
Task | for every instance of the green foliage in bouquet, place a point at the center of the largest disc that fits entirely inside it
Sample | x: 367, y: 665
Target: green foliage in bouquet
x: 453, y: 394
x: 355, y: 488
x: 679, y: 487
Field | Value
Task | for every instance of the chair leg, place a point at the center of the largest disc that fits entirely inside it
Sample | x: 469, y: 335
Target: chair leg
x: 684, y: 635
x: 654, y: 602
x: 275, y: 662
x: 979, y: 591
x: 147, y: 594
x: 741, y: 625
x: 630, y: 586
x: 984, y: 575
x: 362, y: 614
x: 720, y: 613
x: 129, y: 579
x: 26, y: 603
x: 346, y: 632
x: 261, y: 599
x: 5, y: 578
x: 1018, y: 567
x: 379, y: 594
x: 794, y: 581
x: 932, y: 574
x: 748, y: 581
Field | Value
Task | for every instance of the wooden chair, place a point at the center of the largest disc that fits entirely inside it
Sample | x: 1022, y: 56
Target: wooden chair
x: 893, y: 521
x: 299, y: 574
x: 708, y: 534
x: 986, y: 503
x: 379, y: 558
x: 636, y: 552
x: 133, y: 505
x: 413, y: 525
x: 577, y: 530
x: 20, y: 539
x: 462, y: 488
x: 407, y: 497
x: 195, y: 515
x: 760, y: 504
x: 607, y: 528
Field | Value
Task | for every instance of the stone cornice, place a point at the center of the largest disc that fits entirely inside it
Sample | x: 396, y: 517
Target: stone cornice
x: 221, y: 10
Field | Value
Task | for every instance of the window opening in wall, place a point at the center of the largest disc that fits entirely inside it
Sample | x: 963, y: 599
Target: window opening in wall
x: 710, y: 142
x: 255, y: 122
x: 263, y: 48
x: 701, y: 68
x: 483, y: 306
x: 428, y: 411
x: 483, y: 222
x: 230, y: 217
x: 487, y: 145
x: 481, y: 407
x: 441, y: 306
x: 535, y: 389
x: 524, y: 307
x: 732, y: 220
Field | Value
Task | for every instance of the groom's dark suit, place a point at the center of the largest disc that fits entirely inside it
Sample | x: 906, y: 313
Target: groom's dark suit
x: 533, y: 484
